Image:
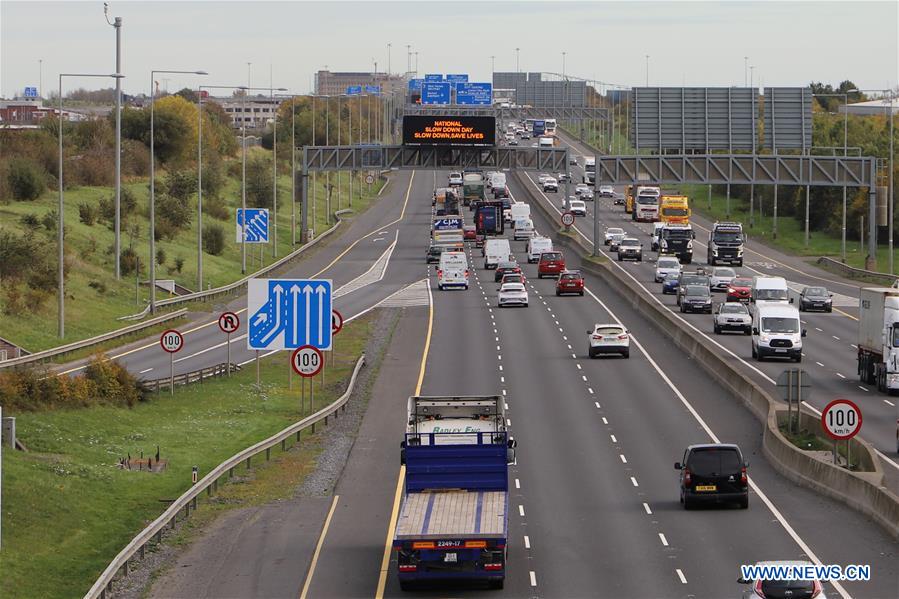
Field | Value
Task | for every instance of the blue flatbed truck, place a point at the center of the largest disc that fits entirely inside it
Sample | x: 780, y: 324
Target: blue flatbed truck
x: 453, y: 519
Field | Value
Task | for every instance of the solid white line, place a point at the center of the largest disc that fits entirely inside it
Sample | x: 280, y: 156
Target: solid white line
x: 663, y: 539
x: 614, y: 439
x: 634, y: 481
x: 533, y: 579
x: 145, y: 370
x: 646, y: 507
x: 527, y: 542
x: 623, y: 459
x: 680, y: 575
x: 521, y: 511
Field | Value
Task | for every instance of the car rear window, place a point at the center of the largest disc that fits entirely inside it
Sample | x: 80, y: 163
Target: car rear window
x: 551, y: 256
x: 724, y: 272
x: 777, y: 588
x: 713, y: 460
x: 608, y: 331
x: 571, y: 277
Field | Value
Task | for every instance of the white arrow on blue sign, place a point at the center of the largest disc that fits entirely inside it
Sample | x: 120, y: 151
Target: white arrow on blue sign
x: 289, y: 313
x: 257, y: 225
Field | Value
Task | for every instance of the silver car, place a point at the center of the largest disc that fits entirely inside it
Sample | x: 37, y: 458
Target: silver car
x: 630, y: 248
x: 606, y: 191
x: 611, y: 232
x: 667, y: 267
x: 732, y: 316
x: 721, y: 277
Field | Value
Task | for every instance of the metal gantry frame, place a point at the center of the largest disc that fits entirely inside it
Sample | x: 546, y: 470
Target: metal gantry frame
x: 562, y: 113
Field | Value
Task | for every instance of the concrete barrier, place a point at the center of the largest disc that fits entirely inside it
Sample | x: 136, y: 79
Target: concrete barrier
x: 862, y: 491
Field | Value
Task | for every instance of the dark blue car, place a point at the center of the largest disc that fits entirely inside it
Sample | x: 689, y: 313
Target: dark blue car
x: 669, y: 286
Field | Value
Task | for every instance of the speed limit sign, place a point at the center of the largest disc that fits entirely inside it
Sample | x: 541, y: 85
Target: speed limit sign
x: 171, y: 341
x: 336, y: 322
x: 307, y: 361
x: 369, y: 179
x: 841, y: 419
x: 229, y: 322
x: 567, y: 219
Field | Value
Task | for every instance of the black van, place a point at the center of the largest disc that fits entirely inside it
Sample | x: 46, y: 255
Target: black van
x: 713, y: 472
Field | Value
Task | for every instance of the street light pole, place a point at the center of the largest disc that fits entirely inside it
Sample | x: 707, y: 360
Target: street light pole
x: 745, y: 71
x: 517, y: 60
x: 647, y: 69
x: 117, y: 24
x: 845, y: 97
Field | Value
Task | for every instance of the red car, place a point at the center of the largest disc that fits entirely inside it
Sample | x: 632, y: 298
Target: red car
x: 570, y: 281
x: 479, y: 241
x: 551, y: 264
x: 515, y: 277
x: 469, y: 233
x: 739, y: 290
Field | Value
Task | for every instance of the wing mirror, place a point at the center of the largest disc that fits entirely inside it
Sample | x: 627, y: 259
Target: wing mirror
x: 677, y: 466
x: 804, y: 332
x: 742, y: 580
x: 791, y: 300
x: 755, y: 330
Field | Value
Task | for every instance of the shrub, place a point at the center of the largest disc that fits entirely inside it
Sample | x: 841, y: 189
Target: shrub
x: 87, y: 213
x: 26, y: 179
x: 30, y: 220
x: 179, y: 263
x: 176, y: 211
x: 259, y: 181
x: 214, y: 239
x: 128, y: 261
x: 127, y: 206
x: 160, y: 256
x: 165, y: 230
x: 216, y: 208
x: 99, y: 286
x: 180, y: 184
x: 49, y: 221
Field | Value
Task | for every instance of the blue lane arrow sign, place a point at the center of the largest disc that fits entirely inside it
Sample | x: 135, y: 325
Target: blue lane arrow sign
x: 257, y: 225
x: 289, y: 313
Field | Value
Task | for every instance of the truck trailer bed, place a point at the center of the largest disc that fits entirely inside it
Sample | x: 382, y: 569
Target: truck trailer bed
x: 452, y: 513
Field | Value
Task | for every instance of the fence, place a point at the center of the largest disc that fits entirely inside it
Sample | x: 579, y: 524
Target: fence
x: 209, y: 484
x: 187, y: 378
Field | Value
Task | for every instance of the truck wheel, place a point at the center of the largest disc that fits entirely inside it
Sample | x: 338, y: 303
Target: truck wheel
x: 717, y: 330
x: 744, y: 502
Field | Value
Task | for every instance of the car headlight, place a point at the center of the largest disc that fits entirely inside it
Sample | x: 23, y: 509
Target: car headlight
x: 764, y: 337
x: 663, y: 244
x: 740, y: 252
x: 689, y: 245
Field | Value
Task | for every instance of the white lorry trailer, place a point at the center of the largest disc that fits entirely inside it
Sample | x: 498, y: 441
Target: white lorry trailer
x: 878, y: 337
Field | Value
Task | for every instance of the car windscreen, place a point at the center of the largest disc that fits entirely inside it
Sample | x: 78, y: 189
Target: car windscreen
x: 608, y: 331
x: 733, y: 308
x: 895, y: 335
x: 778, y: 324
x: 713, y: 461
x: 551, y: 256
x: 727, y: 237
x: 647, y: 199
x: 816, y: 292
x: 698, y: 291
x: 675, y: 211
x: 629, y: 242
x: 669, y: 263
x: 771, y: 294
x: 725, y: 272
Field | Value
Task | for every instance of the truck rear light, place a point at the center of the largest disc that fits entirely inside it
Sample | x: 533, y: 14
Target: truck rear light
x: 475, y: 544
x: 423, y: 545
x: 743, y: 479
x: 493, y: 567
x: 408, y: 567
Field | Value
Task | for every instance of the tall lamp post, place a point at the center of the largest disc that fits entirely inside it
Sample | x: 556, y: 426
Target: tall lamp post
x: 293, y: 165
x: 60, y: 220
x: 117, y: 24
x: 153, y: 74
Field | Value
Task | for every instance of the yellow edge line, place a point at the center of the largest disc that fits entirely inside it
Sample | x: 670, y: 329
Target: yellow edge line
x: 394, y: 514
x: 318, y: 547
x: 242, y: 310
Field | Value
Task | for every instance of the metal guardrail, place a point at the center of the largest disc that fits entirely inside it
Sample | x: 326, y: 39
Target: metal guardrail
x: 856, y: 273
x: 209, y: 483
x: 186, y: 378
x: 76, y: 345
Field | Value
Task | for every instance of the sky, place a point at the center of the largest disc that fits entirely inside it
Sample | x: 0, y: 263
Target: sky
x: 688, y: 43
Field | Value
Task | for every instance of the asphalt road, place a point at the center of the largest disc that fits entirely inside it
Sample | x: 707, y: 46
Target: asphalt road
x: 830, y: 353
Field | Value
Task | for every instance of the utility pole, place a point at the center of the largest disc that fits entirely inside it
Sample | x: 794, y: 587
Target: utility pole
x: 117, y: 24
x: 517, y: 60
x: 745, y: 71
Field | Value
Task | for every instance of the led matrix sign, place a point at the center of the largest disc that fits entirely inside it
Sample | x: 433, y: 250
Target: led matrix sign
x: 449, y: 130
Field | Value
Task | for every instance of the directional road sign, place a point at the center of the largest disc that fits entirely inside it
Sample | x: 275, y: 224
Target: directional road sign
x: 336, y: 322
x: 474, y: 93
x: 415, y: 84
x: 454, y: 79
x: 257, y: 225
x: 229, y: 322
x: 435, y: 92
x: 307, y: 361
x: 434, y: 77
x: 171, y: 341
x: 354, y: 90
x: 289, y: 313
x: 373, y: 90
x: 567, y: 219
x: 841, y: 419
x: 31, y: 92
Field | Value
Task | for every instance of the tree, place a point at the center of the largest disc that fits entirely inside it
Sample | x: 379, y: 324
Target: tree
x: 26, y: 179
x: 259, y: 180
x: 188, y: 94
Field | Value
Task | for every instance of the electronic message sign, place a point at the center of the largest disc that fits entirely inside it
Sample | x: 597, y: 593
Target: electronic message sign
x: 449, y: 130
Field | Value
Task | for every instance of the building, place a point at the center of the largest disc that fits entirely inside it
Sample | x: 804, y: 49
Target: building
x: 328, y: 83
x: 27, y: 113
x: 255, y: 111
x: 872, y: 107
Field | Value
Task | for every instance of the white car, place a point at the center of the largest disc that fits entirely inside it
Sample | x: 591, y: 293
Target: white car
x: 768, y: 589
x: 630, y: 247
x: 733, y: 316
x: 611, y: 232
x: 616, y: 240
x: 606, y: 191
x: 721, y: 278
x: 550, y: 184
x: 608, y: 339
x: 656, y: 235
x: 667, y: 268
x: 542, y: 177
x: 455, y: 179
x: 512, y: 294
x: 577, y: 207
x: 581, y: 188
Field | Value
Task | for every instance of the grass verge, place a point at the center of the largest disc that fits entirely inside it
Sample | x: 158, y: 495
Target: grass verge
x: 69, y: 509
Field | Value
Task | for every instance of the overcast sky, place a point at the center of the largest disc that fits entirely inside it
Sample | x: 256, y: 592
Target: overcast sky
x: 692, y: 43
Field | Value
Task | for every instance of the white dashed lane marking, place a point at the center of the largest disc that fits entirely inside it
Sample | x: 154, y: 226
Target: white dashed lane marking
x: 646, y: 507
x: 680, y: 575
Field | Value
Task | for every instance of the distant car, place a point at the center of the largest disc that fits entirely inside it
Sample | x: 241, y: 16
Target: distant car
x: 572, y: 160
x: 577, y: 207
x: 455, y: 179
x: 479, y: 241
x: 732, y: 316
x: 570, y: 281
x: 587, y: 195
x: 669, y: 285
x: 630, y: 248
x: 721, y: 278
x: 512, y: 294
x: 469, y: 233
x: 714, y: 472
x: 525, y: 135
x: 505, y: 267
x: 739, y: 290
x: 606, y: 191
x: 615, y: 241
x: 581, y: 188
x: 815, y: 298
x: 618, y: 199
x: 696, y: 298
x: 776, y: 589
x: 666, y: 267
x: 611, y: 232
x: 542, y: 177
x: 550, y: 184
x: 433, y: 254
x: 608, y: 339
x: 562, y: 177
x: 551, y: 264
x: 513, y: 141
x: 512, y: 277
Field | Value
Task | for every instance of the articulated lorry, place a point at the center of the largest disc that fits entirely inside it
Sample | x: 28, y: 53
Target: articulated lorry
x: 472, y: 186
x: 878, y: 337
x: 453, y: 518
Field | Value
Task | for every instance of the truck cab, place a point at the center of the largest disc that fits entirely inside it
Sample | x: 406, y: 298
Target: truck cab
x: 675, y: 209
x: 646, y: 206
x: 725, y: 244
x: 677, y: 240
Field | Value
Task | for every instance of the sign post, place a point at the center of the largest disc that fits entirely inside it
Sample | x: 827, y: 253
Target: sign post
x: 841, y: 419
x: 795, y: 387
x: 307, y: 361
x: 228, y: 323
x: 171, y: 341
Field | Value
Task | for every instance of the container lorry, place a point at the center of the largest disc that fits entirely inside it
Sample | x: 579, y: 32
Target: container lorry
x: 488, y: 218
x: 472, y: 187
x: 452, y: 523
x: 725, y: 244
x: 675, y: 209
x: 878, y: 337
x: 539, y: 127
x: 590, y: 170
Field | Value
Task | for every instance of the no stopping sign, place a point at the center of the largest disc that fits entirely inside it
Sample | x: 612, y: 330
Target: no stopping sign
x: 841, y: 419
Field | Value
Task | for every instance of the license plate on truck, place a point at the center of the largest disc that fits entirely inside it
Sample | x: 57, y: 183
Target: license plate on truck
x: 450, y: 558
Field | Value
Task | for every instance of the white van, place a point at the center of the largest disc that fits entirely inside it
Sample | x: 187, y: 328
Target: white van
x: 520, y: 210
x: 452, y: 270
x: 536, y: 246
x: 497, y: 180
x: 524, y: 229
x: 546, y: 142
x: 496, y: 250
x: 776, y: 331
x: 770, y: 290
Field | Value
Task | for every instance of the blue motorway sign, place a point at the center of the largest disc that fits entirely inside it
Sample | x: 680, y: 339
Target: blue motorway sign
x: 435, y: 92
x: 474, y: 93
x: 454, y: 79
x: 354, y: 90
x: 257, y: 225
x: 31, y: 92
x: 289, y: 313
x: 434, y: 77
x: 373, y: 90
x: 415, y: 85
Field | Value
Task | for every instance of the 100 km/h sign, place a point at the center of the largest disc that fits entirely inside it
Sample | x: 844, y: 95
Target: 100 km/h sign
x: 307, y: 361
x: 567, y: 219
x: 171, y: 341
x: 841, y: 419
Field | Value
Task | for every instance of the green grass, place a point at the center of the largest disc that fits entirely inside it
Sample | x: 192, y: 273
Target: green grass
x: 68, y: 510
x: 90, y: 311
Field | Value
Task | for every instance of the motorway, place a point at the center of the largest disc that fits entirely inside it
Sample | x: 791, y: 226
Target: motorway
x: 830, y: 353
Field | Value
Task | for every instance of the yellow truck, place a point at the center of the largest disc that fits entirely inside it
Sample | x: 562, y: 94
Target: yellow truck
x: 629, y: 199
x: 675, y: 209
